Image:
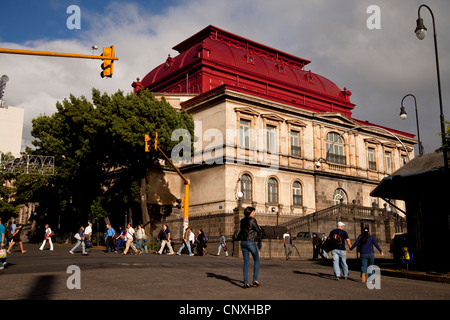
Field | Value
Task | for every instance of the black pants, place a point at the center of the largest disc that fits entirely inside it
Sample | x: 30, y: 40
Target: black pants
x: 110, y: 244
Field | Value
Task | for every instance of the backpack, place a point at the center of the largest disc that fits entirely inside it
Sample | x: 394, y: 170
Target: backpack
x: 333, y: 242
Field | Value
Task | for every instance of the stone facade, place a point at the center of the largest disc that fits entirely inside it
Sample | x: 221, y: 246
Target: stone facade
x: 280, y: 137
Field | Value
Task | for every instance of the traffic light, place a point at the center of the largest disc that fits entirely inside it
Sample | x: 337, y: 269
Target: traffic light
x: 107, y: 65
x: 151, y: 141
x: 179, y: 203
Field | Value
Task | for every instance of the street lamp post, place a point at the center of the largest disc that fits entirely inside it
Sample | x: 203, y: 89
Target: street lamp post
x: 421, y: 33
x: 403, y: 115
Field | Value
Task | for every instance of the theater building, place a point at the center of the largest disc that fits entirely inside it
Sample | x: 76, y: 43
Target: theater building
x: 271, y: 133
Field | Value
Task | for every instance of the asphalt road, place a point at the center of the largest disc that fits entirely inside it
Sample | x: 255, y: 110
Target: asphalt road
x: 44, y: 275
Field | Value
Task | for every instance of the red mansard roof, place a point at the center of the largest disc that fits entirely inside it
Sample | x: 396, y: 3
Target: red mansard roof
x: 213, y: 57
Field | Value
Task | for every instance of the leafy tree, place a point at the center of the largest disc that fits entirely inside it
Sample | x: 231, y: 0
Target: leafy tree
x: 100, y: 162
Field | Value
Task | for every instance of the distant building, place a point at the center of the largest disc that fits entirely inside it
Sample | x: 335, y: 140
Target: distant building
x: 269, y: 128
x: 11, y: 126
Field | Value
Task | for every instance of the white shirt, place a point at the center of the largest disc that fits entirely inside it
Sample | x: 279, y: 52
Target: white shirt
x: 48, y: 231
x: 191, y: 237
x: 130, y: 233
x: 88, y: 230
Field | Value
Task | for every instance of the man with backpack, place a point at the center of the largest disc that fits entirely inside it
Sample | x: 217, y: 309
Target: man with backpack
x: 336, y: 242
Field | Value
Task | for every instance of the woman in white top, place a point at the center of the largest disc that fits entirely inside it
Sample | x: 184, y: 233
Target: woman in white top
x: 48, y: 236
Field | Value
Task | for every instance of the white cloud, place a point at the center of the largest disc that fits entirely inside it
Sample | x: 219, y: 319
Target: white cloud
x: 378, y: 66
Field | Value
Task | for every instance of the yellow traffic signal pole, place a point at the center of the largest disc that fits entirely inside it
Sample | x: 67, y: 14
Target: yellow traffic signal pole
x: 107, y: 57
x: 55, y: 54
x: 186, y: 191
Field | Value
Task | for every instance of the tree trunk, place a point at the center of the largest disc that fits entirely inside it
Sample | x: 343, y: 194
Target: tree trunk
x: 144, y: 208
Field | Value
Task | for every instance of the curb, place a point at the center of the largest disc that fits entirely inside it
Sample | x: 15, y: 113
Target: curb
x: 416, y: 275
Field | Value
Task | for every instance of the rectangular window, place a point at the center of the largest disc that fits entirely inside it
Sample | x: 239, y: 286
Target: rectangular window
x: 295, y: 143
x: 244, y: 134
x: 371, y: 157
x: 387, y: 162
x: 271, y: 139
x: 403, y: 159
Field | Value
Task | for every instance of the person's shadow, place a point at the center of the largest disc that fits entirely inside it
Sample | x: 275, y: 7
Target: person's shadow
x: 320, y: 275
x: 235, y: 282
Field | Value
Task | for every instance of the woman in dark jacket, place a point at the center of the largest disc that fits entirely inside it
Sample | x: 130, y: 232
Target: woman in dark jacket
x: 200, y: 242
x: 366, y: 242
x: 248, y: 235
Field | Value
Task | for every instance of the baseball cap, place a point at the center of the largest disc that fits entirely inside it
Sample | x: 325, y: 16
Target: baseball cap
x: 340, y: 224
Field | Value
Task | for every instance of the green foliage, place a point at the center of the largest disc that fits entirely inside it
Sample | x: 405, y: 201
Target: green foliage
x: 99, y: 153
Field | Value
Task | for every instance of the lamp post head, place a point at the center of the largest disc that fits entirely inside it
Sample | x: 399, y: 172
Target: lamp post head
x: 403, y: 113
x: 420, y: 31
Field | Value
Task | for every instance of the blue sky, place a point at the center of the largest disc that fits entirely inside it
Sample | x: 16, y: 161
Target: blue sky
x: 46, y: 19
x: 378, y: 66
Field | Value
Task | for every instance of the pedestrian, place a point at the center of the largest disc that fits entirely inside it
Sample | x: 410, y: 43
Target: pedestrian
x: 188, y: 236
x: 201, y: 243
x: 88, y: 235
x: 287, y: 240
x: 79, y: 236
x: 366, y: 242
x: 16, y: 239
x: 222, y: 245
x: 129, y: 238
x: 317, y: 245
x: 164, y: 236
x: 109, y: 238
x: 2, y: 245
x: 248, y: 235
x: 322, y: 247
x: 11, y: 229
x: 140, y: 233
x: 144, y: 239
x: 47, y: 237
x: 120, y: 238
x: 339, y: 253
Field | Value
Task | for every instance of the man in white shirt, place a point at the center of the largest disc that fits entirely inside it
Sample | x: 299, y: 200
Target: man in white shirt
x: 88, y: 234
x: 188, y: 237
x: 287, y: 239
x: 129, y: 235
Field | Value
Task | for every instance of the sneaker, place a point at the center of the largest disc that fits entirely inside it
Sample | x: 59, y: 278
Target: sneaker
x: 178, y: 254
x: 70, y: 252
x: 256, y: 284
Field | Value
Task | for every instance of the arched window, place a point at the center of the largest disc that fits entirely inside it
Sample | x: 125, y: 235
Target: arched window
x: 246, y: 187
x: 339, y: 194
x: 296, y: 194
x: 335, y: 148
x: 272, y: 191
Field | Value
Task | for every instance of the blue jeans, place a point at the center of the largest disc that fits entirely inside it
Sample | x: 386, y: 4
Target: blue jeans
x: 187, y: 245
x: 82, y: 246
x: 246, y: 247
x: 367, y: 259
x: 342, y: 256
